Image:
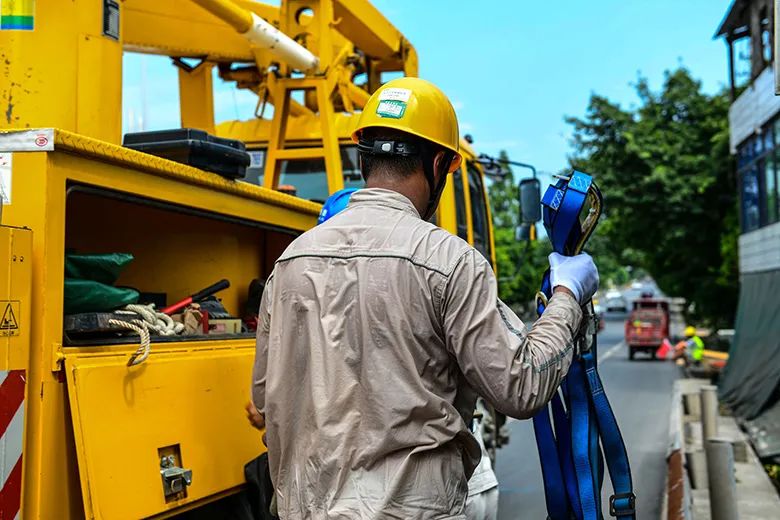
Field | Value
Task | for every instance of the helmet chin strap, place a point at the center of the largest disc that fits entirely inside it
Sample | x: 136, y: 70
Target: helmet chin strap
x: 434, y: 188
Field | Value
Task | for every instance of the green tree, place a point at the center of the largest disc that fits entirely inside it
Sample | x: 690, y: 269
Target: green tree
x: 668, y: 180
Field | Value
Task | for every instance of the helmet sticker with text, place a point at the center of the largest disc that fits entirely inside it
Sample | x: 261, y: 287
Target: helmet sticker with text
x: 392, y: 102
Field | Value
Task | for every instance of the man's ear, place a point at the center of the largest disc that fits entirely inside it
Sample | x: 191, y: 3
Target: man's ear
x: 438, y: 164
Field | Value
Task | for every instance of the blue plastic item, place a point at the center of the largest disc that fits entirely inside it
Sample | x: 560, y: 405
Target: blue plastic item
x: 335, y: 203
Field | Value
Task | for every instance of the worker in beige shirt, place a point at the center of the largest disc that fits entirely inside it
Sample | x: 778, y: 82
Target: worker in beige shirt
x: 377, y: 330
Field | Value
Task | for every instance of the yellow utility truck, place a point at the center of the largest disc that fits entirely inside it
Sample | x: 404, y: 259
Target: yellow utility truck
x: 128, y: 423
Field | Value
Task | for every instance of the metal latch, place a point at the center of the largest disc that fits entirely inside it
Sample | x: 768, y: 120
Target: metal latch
x: 588, y: 328
x: 175, y: 479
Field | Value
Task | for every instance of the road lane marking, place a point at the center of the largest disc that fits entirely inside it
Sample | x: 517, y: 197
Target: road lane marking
x: 612, y: 351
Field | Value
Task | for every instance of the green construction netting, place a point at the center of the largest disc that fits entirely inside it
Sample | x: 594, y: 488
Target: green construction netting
x: 752, y: 373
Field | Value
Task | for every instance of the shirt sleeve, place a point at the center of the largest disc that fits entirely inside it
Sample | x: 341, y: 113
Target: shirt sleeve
x: 515, y: 370
x: 261, y: 348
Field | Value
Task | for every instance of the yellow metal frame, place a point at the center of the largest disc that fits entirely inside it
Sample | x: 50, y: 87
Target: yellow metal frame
x: 329, y: 147
x: 196, y: 97
x: 15, y: 295
x: 15, y: 287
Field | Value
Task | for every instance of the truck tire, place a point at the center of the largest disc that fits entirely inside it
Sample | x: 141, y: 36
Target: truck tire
x: 630, y: 354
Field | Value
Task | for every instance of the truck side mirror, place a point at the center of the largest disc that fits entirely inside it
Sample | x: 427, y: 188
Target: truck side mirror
x: 530, y: 201
x: 530, y: 198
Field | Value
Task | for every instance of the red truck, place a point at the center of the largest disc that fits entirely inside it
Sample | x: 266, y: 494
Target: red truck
x: 647, y: 326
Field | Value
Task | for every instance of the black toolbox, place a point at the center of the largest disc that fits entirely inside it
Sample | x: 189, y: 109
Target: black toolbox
x: 226, y: 157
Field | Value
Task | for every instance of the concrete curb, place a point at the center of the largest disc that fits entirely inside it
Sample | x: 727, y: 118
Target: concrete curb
x: 687, y: 493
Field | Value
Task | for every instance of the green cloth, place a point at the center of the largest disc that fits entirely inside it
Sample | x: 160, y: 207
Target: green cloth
x: 103, y: 268
x: 89, y: 283
x: 91, y: 296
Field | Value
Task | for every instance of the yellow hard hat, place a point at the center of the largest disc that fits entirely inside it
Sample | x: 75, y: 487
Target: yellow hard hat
x: 689, y: 331
x: 414, y: 106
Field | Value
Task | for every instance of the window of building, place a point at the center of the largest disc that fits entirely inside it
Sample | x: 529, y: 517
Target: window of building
x: 770, y: 187
x: 758, y: 170
x: 479, y: 222
x: 751, y: 209
x: 767, y: 138
x: 741, y: 64
x: 766, y: 44
x: 766, y: 36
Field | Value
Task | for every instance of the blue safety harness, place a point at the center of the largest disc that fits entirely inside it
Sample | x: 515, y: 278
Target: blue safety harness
x: 569, y: 449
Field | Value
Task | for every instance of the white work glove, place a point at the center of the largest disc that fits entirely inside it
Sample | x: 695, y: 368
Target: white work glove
x: 577, y: 273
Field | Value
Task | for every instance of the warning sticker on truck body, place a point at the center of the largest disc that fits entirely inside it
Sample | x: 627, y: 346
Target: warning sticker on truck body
x: 9, y: 320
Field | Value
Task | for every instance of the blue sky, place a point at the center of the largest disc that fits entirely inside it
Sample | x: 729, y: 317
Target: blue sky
x: 513, y: 69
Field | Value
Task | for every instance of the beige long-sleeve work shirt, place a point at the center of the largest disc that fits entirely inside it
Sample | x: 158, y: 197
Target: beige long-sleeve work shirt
x: 376, y: 332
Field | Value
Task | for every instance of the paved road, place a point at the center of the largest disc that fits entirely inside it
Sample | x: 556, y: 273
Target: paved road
x: 640, y: 393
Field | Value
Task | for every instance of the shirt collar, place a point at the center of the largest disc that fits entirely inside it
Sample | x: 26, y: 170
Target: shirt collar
x: 383, y: 197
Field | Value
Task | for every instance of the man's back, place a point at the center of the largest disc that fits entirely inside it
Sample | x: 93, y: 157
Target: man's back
x: 375, y: 331
x: 360, y: 389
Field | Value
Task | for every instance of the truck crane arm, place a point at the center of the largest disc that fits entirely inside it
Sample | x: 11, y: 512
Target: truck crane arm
x: 218, y: 31
x: 262, y: 34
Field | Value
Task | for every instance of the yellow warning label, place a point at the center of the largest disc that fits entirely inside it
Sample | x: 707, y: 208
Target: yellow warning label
x: 9, y: 323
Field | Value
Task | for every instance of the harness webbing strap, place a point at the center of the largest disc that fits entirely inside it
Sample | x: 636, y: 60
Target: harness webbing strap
x: 561, y: 422
x: 554, y: 492
x: 585, y: 432
x: 581, y: 441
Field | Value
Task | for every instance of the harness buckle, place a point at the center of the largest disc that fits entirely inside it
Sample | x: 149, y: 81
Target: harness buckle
x: 622, y: 511
x: 588, y: 327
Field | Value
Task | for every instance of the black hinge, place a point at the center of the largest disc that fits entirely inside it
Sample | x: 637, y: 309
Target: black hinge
x: 111, y: 19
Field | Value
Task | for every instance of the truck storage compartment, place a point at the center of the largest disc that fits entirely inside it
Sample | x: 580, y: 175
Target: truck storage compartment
x: 159, y: 437
x: 176, y: 252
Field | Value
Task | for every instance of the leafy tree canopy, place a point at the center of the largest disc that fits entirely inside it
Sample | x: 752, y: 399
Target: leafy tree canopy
x: 668, y: 180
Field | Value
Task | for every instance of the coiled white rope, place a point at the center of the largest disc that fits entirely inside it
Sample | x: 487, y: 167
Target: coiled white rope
x: 158, y: 322
x: 139, y: 327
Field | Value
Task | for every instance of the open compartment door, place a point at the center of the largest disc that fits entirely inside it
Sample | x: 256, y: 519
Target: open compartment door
x: 162, y: 435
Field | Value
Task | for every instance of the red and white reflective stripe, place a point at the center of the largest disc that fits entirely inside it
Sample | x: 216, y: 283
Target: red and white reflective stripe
x: 11, y: 441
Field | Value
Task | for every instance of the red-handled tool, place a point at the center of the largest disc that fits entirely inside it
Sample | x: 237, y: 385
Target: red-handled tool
x: 198, y: 296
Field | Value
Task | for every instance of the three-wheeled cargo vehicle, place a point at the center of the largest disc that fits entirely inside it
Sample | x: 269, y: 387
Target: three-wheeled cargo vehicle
x: 647, y: 326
